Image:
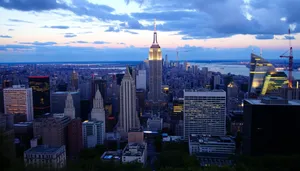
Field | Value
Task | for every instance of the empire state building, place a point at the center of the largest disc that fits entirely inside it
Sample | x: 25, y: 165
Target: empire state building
x: 155, y: 62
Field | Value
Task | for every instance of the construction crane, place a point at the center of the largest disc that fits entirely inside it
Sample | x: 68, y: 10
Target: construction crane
x: 290, y: 57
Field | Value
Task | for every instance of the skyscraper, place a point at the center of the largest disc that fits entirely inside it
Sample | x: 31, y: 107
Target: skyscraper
x: 58, y: 100
x: 92, y: 132
x: 41, y: 94
x: 18, y: 100
x: 155, y: 62
x: 99, y: 84
x: 271, y: 126
x: 141, y: 80
x: 74, y: 81
x: 204, y: 112
x: 69, y: 108
x: 98, y: 112
x: 75, y: 143
x: 128, y: 115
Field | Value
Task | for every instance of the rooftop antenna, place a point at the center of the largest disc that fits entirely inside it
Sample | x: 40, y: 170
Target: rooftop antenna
x: 289, y: 54
x: 154, y: 24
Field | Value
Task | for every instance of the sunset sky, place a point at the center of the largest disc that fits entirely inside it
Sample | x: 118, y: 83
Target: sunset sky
x: 96, y: 30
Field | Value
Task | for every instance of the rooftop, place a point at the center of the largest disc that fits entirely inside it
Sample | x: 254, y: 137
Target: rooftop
x: 135, y: 130
x: 207, y: 139
x: 273, y: 101
x: 23, y: 124
x: 203, y: 90
x: 65, y: 92
x: 134, y: 149
x: 111, y: 155
x: 43, y: 149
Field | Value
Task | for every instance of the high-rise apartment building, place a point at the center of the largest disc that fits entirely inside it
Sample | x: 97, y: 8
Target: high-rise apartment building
x: 271, y: 126
x: 93, y: 133
x: 204, y: 112
x: 101, y: 85
x: 155, y: 76
x: 41, y: 94
x: 141, y: 80
x: 128, y: 115
x: 18, y: 99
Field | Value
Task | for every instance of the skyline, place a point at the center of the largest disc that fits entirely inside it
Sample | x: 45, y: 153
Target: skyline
x: 121, y: 30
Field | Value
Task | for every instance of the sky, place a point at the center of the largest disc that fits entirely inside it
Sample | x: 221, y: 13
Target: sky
x: 109, y: 30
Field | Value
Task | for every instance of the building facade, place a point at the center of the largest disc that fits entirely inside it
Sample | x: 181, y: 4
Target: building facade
x: 41, y: 94
x: 135, y: 152
x: 75, y: 143
x: 18, y: 99
x: 58, y: 102
x: 46, y: 157
x: 271, y: 126
x: 128, y: 118
x: 204, y: 112
x: 93, y: 133
x: 98, y: 113
x: 141, y: 80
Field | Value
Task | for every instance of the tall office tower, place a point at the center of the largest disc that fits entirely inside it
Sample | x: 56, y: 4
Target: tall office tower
x: 128, y: 116
x: 273, y: 82
x: 85, y: 91
x: 155, y: 62
x: 232, y: 96
x: 166, y: 61
x: 58, y: 102
x: 271, y: 126
x: 75, y: 143
x: 98, y: 112
x: 69, y: 108
x: 41, y: 94
x: 18, y: 99
x: 92, y: 132
x: 74, y: 81
x: 259, y: 67
x: 1, y: 101
x: 141, y: 80
x: 140, y: 94
x: 204, y: 112
x: 53, y: 130
x: 99, y: 84
x: 216, y: 81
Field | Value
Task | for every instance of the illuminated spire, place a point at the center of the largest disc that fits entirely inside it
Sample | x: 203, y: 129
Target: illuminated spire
x: 155, y: 34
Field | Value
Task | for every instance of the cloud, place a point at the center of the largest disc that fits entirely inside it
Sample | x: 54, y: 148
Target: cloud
x: 262, y: 36
x: 57, y: 27
x: 19, y: 21
x: 5, y: 36
x: 69, y: 35
x: 131, y: 32
x: 87, y: 32
x: 101, y: 42
x: 37, y: 43
x: 81, y: 42
x: 121, y: 43
x: 32, y: 5
x: 11, y: 29
x: 289, y: 38
x: 112, y: 29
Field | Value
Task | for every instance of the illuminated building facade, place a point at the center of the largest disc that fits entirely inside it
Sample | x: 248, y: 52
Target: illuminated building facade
x: 18, y: 100
x: 155, y: 62
x: 74, y: 81
x: 41, y: 94
x: 204, y: 112
x: 273, y: 82
x: 259, y: 67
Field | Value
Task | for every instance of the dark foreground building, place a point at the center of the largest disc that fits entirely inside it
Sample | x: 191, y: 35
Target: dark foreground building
x: 41, y: 94
x: 271, y: 126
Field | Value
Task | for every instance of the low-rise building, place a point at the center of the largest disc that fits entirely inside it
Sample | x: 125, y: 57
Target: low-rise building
x: 155, y: 123
x: 135, y: 152
x: 135, y: 135
x: 212, y: 150
x: 46, y: 157
x: 211, y: 144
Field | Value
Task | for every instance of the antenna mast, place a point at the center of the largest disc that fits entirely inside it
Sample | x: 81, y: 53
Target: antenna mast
x: 290, y: 56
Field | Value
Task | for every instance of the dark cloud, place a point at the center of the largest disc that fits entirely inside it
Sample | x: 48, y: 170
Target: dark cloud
x: 57, y: 27
x: 131, y: 32
x: 289, y: 38
x: 32, y: 5
x: 5, y: 36
x: 37, y: 43
x: 101, y: 42
x: 81, y: 42
x: 263, y: 36
x: 112, y: 29
x: 11, y: 29
x: 19, y: 21
x: 69, y: 35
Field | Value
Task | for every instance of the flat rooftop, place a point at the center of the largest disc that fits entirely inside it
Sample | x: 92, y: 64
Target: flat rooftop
x: 210, y: 139
x: 43, y: 149
x: 65, y: 92
x: 203, y: 90
x: 111, y: 155
x: 134, y: 149
x: 270, y: 101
